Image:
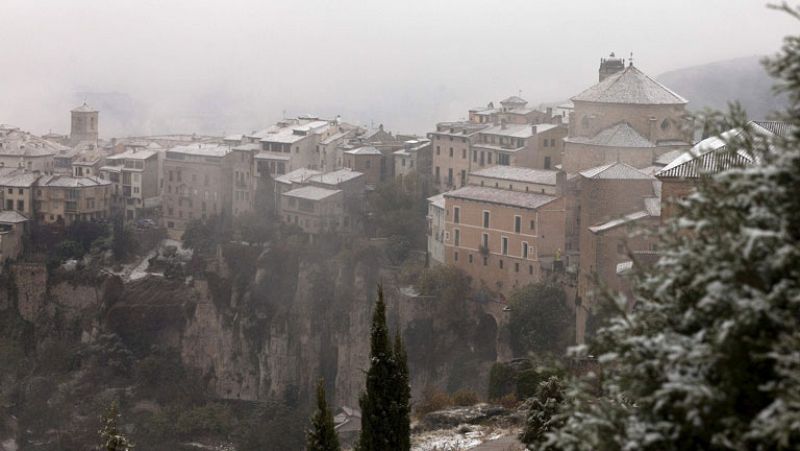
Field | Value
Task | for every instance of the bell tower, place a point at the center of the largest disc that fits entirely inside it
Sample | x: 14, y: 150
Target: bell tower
x: 610, y: 66
x: 84, y: 124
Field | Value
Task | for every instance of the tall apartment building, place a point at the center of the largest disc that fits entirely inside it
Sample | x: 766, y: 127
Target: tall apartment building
x: 135, y: 180
x: 451, y: 146
x: 504, y: 229
x: 201, y: 180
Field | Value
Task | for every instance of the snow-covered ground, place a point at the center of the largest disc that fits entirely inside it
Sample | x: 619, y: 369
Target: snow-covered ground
x: 465, y: 437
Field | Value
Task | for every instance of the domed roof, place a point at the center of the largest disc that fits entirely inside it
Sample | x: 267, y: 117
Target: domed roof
x: 630, y: 86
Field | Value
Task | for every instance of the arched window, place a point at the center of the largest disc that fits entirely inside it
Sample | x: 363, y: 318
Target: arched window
x: 665, y: 124
x: 585, y: 122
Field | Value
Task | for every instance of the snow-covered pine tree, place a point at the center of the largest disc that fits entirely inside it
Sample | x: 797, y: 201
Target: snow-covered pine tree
x: 322, y: 435
x: 710, y: 356
x: 111, y: 439
x: 378, y: 424
x: 542, y: 413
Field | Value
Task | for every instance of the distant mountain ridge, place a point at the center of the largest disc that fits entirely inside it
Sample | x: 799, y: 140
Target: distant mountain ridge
x: 715, y: 84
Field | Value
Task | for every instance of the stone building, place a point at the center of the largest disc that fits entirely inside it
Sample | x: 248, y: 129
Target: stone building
x: 533, y: 146
x: 135, y: 177
x: 451, y: 145
x: 366, y: 160
x: 65, y: 199
x: 17, y: 188
x: 84, y: 125
x: 626, y: 117
x: 292, y: 180
x: 502, y: 238
x: 436, y: 229
x: 315, y: 210
x: 204, y: 180
x: 21, y: 150
x: 415, y: 156
x: 608, y: 198
x: 13, y: 228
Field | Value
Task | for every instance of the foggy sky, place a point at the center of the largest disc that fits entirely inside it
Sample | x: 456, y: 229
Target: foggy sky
x: 213, y: 66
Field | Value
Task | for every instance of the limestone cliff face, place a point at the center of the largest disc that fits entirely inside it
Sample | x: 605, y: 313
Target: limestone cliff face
x: 267, y: 323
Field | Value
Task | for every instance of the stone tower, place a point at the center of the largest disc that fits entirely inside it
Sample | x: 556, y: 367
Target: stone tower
x: 610, y: 66
x: 84, y: 124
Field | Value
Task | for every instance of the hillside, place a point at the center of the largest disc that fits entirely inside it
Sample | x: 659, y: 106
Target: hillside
x: 713, y: 85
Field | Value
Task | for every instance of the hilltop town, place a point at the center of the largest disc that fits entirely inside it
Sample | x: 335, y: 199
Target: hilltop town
x: 245, y: 260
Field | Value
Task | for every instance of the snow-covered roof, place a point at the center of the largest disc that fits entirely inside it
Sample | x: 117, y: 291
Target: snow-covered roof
x: 437, y: 201
x: 501, y: 197
x: 133, y: 154
x: 615, y: 171
x: 619, y: 135
x: 512, y: 130
x: 624, y: 267
x: 630, y: 86
x: 366, y: 150
x: 12, y: 217
x: 296, y: 176
x: 614, y: 223
x: 61, y: 181
x: 272, y: 156
x: 312, y: 193
x: 518, y: 174
x: 515, y: 100
x: 19, y: 180
x: 668, y: 157
x: 336, y: 177
x: 201, y: 150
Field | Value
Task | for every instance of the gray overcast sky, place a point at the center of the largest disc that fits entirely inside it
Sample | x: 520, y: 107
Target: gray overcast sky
x: 236, y: 65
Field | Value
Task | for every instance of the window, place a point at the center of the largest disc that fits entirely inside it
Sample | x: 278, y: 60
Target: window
x: 457, y: 237
x: 450, y: 176
x: 485, y: 219
x: 21, y: 205
x: 503, y: 159
x: 485, y: 240
x: 547, y: 162
x: 585, y: 122
x: 489, y: 157
x: 436, y: 174
x: 552, y: 142
x: 474, y: 156
x: 530, y: 269
x: 524, y: 249
x: 455, y: 256
x: 545, y: 143
x: 368, y: 164
x: 516, y: 267
x: 451, y: 152
x: 620, y: 248
x: 470, y: 258
x: 533, y: 224
x: 517, y: 224
x: 463, y: 177
x: 438, y: 150
x: 665, y: 124
x: 501, y: 263
x: 504, y: 245
x: 456, y: 215
x: 464, y: 154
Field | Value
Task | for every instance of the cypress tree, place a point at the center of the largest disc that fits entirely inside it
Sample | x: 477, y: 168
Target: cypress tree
x: 378, y: 424
x: 402, y: 402
x: 322, y: 436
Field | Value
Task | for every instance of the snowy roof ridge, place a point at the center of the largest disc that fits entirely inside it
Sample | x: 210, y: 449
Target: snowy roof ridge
x: 630, y: 86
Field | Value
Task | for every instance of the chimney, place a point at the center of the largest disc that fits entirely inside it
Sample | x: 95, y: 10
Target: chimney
x: 549, y: 113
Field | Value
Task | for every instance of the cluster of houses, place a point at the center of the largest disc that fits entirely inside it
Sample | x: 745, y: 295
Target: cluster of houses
x: 310, y: 171
x: 527, y: 194
x: 530, y: 195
